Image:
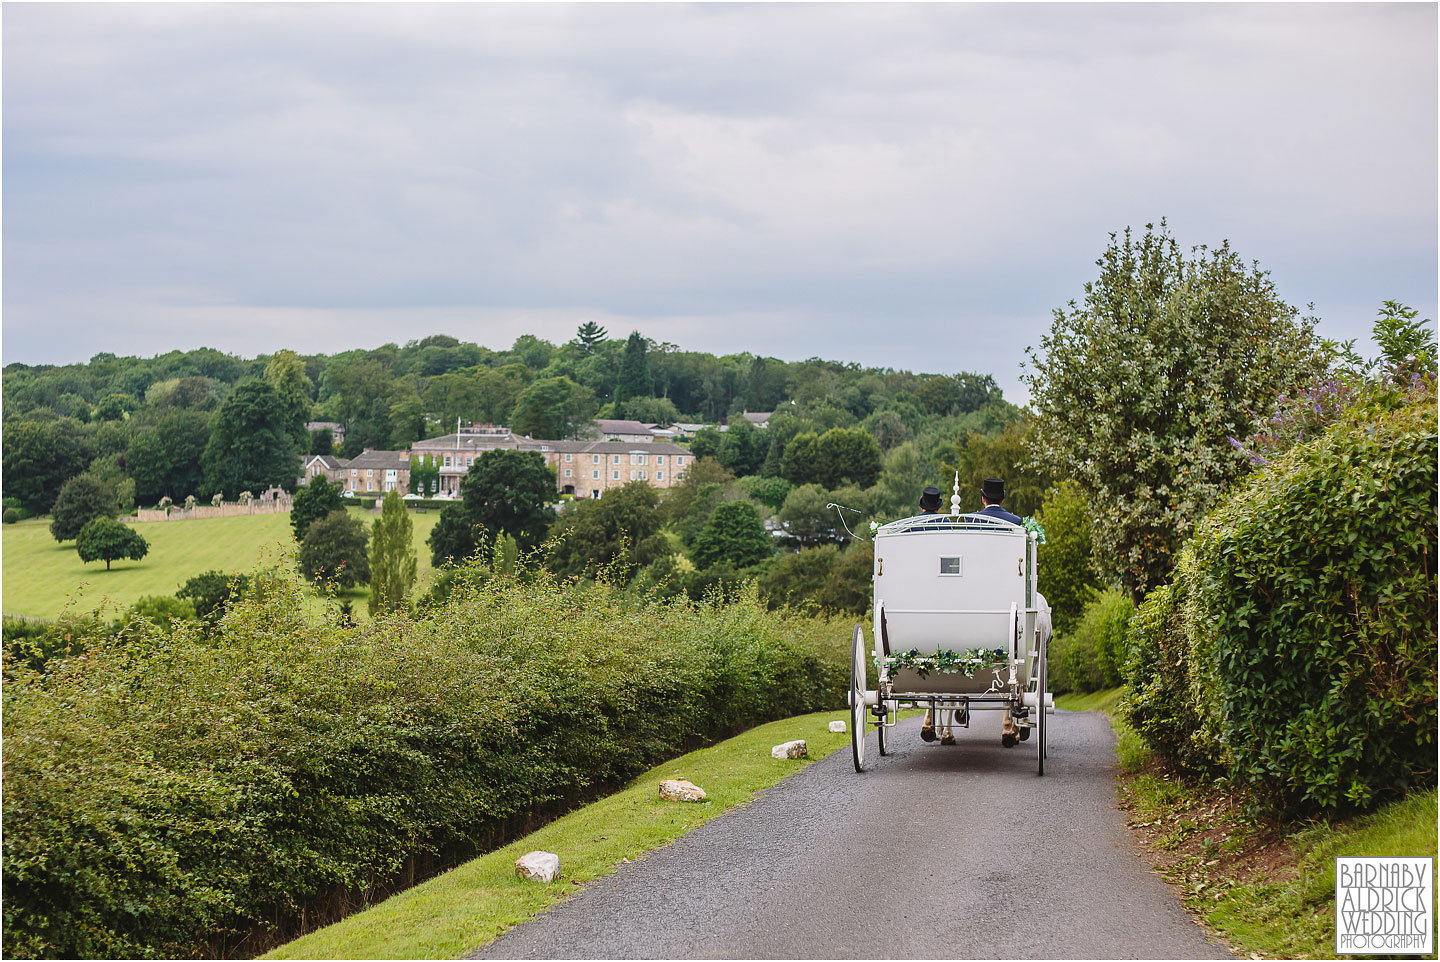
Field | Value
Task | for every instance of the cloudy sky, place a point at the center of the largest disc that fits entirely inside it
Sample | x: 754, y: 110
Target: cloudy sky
x: 916, y: 186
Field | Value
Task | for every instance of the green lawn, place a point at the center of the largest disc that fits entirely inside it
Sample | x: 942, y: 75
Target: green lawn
x: 42, y: 577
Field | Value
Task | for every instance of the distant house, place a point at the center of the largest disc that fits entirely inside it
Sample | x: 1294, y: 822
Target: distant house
x: 757, y: 418
x: 321, y: 465
x: 587, y: 469
x: 455, y: 453
x: 377, y: 471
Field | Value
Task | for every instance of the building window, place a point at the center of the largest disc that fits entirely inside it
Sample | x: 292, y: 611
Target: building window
x: 595, y: 475
x: 569, y: 473
x: 659, y: 475
x: 679, y: 460
x: 596, y: 457
x: 354, y: 472
x: 369, y: 472
x: 615, y: 459
x: 615, y: 475
x: 659, y: 459
x: 469, y: 461
x: 569, y: 458
x: 447, y: 460
x: 642, y: 474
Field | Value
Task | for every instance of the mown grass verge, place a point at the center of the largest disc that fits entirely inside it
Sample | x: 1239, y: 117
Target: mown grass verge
x: 1266, y: 887
x: 473, y: 904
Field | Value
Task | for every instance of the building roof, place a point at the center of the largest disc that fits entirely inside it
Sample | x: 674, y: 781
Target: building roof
x: 477, y: 440
x: 758, y: 418
x: 611, y: 426
x: 379, y: 459
x: 602, y: 447
x: 329, y: 461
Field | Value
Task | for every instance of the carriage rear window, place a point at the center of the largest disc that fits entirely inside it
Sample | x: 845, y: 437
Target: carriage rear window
x: 949, y: 566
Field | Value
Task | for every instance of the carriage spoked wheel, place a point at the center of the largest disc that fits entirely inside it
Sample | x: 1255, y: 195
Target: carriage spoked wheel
x: 857, y: 699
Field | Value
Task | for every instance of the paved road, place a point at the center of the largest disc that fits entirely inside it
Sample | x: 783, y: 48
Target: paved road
x: 933, y: 852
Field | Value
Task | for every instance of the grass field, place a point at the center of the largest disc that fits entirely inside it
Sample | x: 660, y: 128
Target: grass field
x: 42, y: 578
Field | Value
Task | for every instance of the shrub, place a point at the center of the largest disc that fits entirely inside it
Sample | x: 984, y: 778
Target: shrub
x: 335, y: 549
x: 1089, y: 658
x: 200, y: 795
x: 1315, y: 596
x: 734, y: 535
x: 1296, y: 644
x: 212, y: 591
x: 10, y: 516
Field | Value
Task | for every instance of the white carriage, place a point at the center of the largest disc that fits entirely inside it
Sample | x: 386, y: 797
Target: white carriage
x: 959, y: 628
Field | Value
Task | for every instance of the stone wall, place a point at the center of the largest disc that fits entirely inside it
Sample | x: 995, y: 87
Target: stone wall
x: 227, y: 510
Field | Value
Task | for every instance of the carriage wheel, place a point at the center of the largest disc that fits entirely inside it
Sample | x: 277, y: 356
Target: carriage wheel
x: 1044, y: 656
x: 857, y: 699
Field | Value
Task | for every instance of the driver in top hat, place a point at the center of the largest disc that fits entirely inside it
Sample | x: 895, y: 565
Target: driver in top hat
x: 992, y: 493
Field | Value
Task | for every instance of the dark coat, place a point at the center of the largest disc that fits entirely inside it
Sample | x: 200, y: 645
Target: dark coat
x: 995, y: 511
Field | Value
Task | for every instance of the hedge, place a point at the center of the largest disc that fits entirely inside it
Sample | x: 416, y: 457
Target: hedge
x: 1306, y: 624
x: 191, y: 795
x: 1089, y: 658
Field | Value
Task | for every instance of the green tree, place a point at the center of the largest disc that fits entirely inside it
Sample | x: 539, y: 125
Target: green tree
x: 742, y: 447
x: 770, y: 492
x: 251, y: 446
x: 904, y: 473
x: 285, y: 372
x: 322, y: 441
x: 1138, y: 388
x: 1068, y: 578
x: 847, y: 454
x: 554, y: 408
x: 617, y: 532
x: 590, y: 335
x: 806, y: 517
x: 82, y: 499
x: 504, y: 492
x: 392, y: 557
x: 40, y: 456
x: 801, y: 462
x: 734, y: 535
x: 107, y: 540
x: 312, y: 502
x: 334, y: 550
x: 165, y: 458
x: 114, y: 407
x: 706, y: 443
x: 212, y: 592
x: 1008, y: 455
x: 634, y: 378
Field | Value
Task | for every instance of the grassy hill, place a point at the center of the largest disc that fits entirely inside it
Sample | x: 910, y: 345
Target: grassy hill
x: 42, y: 578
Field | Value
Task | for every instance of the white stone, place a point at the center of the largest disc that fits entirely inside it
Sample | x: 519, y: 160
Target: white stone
x: 538, y: 866
x: 837, y: 726
x: 679, y: 790
x: 795, y: 749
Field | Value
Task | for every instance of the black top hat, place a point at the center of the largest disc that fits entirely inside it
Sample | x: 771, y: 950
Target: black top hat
x: 930, y: 499
x: 993, y: 490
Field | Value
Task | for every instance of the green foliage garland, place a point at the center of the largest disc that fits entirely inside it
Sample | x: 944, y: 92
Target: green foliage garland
x: 947, y: 662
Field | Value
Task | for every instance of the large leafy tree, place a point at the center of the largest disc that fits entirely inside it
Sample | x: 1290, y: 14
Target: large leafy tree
x: 617, y: 531
x: 164, y: 459
x: 334, y: 550
x: 553, y: 407
x: 1138, y: 387
x: 286, y: 374
x: 251, y: 446
x: 82, y: 499
x: 743, y: 447
x: 40, y: 456
x: 505, y: 492
x: 107, y: 540
x: 392, y: 557
x: 212, y: 592
x: 1068, y: 578
x: 312, y: 502
x: 1007, y: 455
x: 847, y: 454
x: 634, y: 379
x: 734, y: 535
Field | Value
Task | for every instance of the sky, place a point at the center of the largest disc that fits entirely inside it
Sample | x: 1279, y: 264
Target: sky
x: 911, y: 186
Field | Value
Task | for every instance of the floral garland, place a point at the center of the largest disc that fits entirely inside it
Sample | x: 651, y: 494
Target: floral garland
x: 946, y: 662
x: 1032, y: 525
